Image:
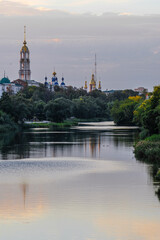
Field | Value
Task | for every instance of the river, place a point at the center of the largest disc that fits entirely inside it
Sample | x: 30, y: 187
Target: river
x: 77, y: 184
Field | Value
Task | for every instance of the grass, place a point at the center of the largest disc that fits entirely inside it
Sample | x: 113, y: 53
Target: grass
x: 65, y: 124
x: 51, y: 125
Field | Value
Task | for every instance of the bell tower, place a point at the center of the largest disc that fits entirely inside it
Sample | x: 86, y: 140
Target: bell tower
x: 24, y: 72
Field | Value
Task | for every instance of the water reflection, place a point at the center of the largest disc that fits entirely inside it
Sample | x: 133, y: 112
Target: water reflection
x: 75, y: 185
x: 79, y: 143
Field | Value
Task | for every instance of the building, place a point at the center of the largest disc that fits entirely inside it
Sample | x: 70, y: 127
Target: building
x: 54, y: 82
x: 10, y: 87
x: 92, y: 84
x: 141, y: 90
x: 24, y: 72
x: 107, y: 92
x: 20, y: 82
x: 32, y: 83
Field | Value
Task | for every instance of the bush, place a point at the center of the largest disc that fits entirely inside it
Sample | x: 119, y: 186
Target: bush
x: 154, y: 138
x: 148, y: 151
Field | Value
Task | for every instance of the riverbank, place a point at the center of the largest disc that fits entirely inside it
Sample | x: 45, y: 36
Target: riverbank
x: 148, y: 150
x: 65, y: 124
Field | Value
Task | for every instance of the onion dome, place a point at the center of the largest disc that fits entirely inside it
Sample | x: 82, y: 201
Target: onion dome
x: 56, y: 83
x: 46, y: 83
x: 53, y: 79
x: 4, y: 80
x: 93, y: 80
x: 62, y: 83
x: 24, y: 48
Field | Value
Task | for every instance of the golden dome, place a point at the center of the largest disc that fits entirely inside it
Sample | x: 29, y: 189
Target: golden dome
x: 54, y: 73
x: 93, y: 82
x: 24, y: 48
x: 85, y: 86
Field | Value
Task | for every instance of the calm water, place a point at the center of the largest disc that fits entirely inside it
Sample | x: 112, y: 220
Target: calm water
x: 81, y: 184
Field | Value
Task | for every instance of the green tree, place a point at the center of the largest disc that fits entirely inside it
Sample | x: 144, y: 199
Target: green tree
x: 122, y: 111
x: 58, y: 110
x: 147, y: 115
x: 39, y: 109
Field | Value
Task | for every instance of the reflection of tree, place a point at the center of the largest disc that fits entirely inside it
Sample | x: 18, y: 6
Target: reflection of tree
x: 125, y: 138
x: 45, y: 143
x: 14, y: 145
x: 24, y: 188
x: 152, y: 171
x: 92, y: 145
x: 158, y: 193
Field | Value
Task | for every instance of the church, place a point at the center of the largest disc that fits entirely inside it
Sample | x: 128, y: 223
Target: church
x: 25, y: 76
x: 54, y: 82
x: 93, y: 81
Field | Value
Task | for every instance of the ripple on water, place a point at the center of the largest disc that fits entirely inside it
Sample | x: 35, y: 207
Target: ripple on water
x: 54, y: 168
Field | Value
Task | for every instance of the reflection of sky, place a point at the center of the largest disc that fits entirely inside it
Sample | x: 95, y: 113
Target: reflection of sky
x: 76, y: 198
x: 89, y: 204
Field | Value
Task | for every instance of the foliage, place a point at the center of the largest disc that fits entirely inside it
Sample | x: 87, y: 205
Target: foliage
x: 59, y: 109
x: 154, y: 138
x: 148, y: 151
x: 122, y: 111
x: 121, y: 95
x: 147, y: 114
x: 42, y: 104
x: 39, y: 107
x: 88, y: 107
x: 6, y: 122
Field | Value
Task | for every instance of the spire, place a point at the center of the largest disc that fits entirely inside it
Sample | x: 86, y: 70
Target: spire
x: 24, y: 72
x: 24, y: 36
x: 85, y: 86
x: 99, y: 86
x: 95, y: 67
x: 4, y: 74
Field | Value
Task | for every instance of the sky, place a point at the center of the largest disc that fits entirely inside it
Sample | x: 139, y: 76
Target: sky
x: 65, y: 35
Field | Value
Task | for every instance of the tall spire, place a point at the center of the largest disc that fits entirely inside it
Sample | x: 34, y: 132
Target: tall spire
x: 24, y: 35
x: 95, y: 67
x: 24, y: 72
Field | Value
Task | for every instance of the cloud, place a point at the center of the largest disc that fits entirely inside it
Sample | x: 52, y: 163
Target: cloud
x: 127, y: 46
x: 9, y: 8
x: 125, y: 14
x: 53, y: 40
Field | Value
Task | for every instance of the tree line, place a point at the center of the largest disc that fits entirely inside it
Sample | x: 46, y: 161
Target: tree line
x: 42, y: 104
x: 139, y: 111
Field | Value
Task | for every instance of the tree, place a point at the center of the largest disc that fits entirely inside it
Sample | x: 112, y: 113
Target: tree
x: 39, y: 109
x: 122, y: 111
x: 59, y: 109
x: 147, y: 115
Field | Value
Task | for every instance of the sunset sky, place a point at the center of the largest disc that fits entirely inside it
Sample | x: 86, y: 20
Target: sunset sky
x: 66, y: 34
